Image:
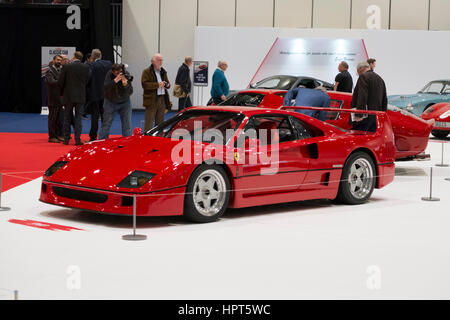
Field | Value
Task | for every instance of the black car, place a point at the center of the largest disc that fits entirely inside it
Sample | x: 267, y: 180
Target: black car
x: 287, y: 82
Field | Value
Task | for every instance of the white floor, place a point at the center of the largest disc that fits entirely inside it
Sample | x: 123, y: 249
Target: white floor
x: 396, y: 246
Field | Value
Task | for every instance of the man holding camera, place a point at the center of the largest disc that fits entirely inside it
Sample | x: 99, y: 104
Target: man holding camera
x: 117, y: 92
x: 156, y: 97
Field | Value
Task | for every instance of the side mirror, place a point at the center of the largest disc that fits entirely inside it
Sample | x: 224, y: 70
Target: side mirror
x: 137, y: 131
x: 251, y: 143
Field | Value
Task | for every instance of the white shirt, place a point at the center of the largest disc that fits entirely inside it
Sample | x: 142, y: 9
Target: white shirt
x: 160, y: 90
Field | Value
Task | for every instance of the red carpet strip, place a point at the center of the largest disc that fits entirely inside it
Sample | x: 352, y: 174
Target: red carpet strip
x: 25, y: 156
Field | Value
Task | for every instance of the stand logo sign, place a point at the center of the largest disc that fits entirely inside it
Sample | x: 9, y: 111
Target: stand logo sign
x: 47, y: 54
x: 201, y: 73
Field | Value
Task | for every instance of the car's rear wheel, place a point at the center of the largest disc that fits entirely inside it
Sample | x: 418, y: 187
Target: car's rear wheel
x: 207, y: 194
x: 358, y: 179
x: 441, y: 134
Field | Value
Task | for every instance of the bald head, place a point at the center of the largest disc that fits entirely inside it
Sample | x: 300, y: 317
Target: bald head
x: 343, y: 66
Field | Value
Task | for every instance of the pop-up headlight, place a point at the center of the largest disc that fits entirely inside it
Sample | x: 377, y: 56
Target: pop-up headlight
x: 54, y: 167
x: 136, y: 179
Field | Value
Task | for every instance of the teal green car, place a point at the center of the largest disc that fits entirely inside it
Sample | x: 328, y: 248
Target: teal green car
x: 434, y: 92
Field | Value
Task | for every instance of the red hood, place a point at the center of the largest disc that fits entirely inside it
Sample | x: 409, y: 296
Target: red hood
x: 103, y: 164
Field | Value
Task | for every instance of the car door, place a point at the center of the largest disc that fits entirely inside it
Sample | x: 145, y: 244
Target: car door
x: 276, y: 165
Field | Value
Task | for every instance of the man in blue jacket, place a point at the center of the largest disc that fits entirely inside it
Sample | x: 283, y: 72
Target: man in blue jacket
x: 308, y: 97
x: 220, y: 88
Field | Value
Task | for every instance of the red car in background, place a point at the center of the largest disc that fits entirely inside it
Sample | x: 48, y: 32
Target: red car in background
x: 440, y: 113
x: 410, y: 131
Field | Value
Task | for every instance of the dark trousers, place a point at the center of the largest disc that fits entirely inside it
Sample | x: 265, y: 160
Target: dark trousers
x: 367, y: 124
x: 68, y: 115
x: 54, y: 121
x: 96, y: 114
x: 184, y: 102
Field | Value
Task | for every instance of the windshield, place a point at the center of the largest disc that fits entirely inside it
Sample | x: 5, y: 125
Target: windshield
x: 277, y: 82
x: 244, y: 99
x: 200, y: 125
x: 436, y: 87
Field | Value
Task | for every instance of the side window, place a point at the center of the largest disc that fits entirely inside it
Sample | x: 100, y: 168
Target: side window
x: 268, y: 129
x: 302, y: 130
x: 332, y: 115
x: 307, y: 83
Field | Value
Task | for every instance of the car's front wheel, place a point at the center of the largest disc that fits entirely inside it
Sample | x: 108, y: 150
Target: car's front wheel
x: 358, y: 179
x: 207, y: 194
x: 439, y: 133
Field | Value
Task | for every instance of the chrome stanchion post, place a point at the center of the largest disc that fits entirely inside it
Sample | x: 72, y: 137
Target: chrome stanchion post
x: 134, y: 236
x: 430, y: 198
x: 442, y: 164
x: 2, y: 208
x: 16, y: 294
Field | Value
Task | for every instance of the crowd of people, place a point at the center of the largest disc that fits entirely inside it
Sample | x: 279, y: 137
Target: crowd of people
x: 103, y: 89
x: 369, y: 93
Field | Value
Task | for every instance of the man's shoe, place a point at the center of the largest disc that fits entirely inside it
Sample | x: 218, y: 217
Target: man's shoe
x: 54, y: 140
x: 79, y: 143
x: 60, y: 138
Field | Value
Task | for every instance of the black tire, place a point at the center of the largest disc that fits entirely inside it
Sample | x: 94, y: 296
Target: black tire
x: 440, y: 134
x: 199, y: 205
x: 349, y: 192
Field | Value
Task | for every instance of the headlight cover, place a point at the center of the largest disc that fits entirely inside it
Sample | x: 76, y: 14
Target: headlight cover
x: 54, y: 167
x: 136, y: 179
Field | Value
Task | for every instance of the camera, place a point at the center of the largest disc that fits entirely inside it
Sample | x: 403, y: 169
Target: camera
x: 125, y: 72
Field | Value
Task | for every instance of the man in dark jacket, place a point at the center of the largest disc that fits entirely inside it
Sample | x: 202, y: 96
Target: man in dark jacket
x: 99, y: 68
x: 72, y: 81
x: 369, y: 94
x: 156, y: 100
x: 54, y: 102
x: 343, y: 81
x: 117, y: 92
x: 183, y: 80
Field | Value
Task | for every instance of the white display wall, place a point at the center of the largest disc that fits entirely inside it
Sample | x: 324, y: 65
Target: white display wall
x: 406, y: 59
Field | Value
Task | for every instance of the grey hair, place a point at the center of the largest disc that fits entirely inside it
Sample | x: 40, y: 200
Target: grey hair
x: 156, y: 55
x: 221, y: 63
x: 362, y: 65
x: 96, y: 54
x: 344, y: 64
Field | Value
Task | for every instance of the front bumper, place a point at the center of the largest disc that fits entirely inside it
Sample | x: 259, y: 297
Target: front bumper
x: 166, y: 202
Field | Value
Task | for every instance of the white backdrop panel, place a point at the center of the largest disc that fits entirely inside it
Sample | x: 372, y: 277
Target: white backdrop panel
x: 406, y: 59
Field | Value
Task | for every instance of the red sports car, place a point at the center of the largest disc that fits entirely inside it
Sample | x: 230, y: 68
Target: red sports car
x: 410, y: 131
x: 440, y: 112
x: 203, y: 161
